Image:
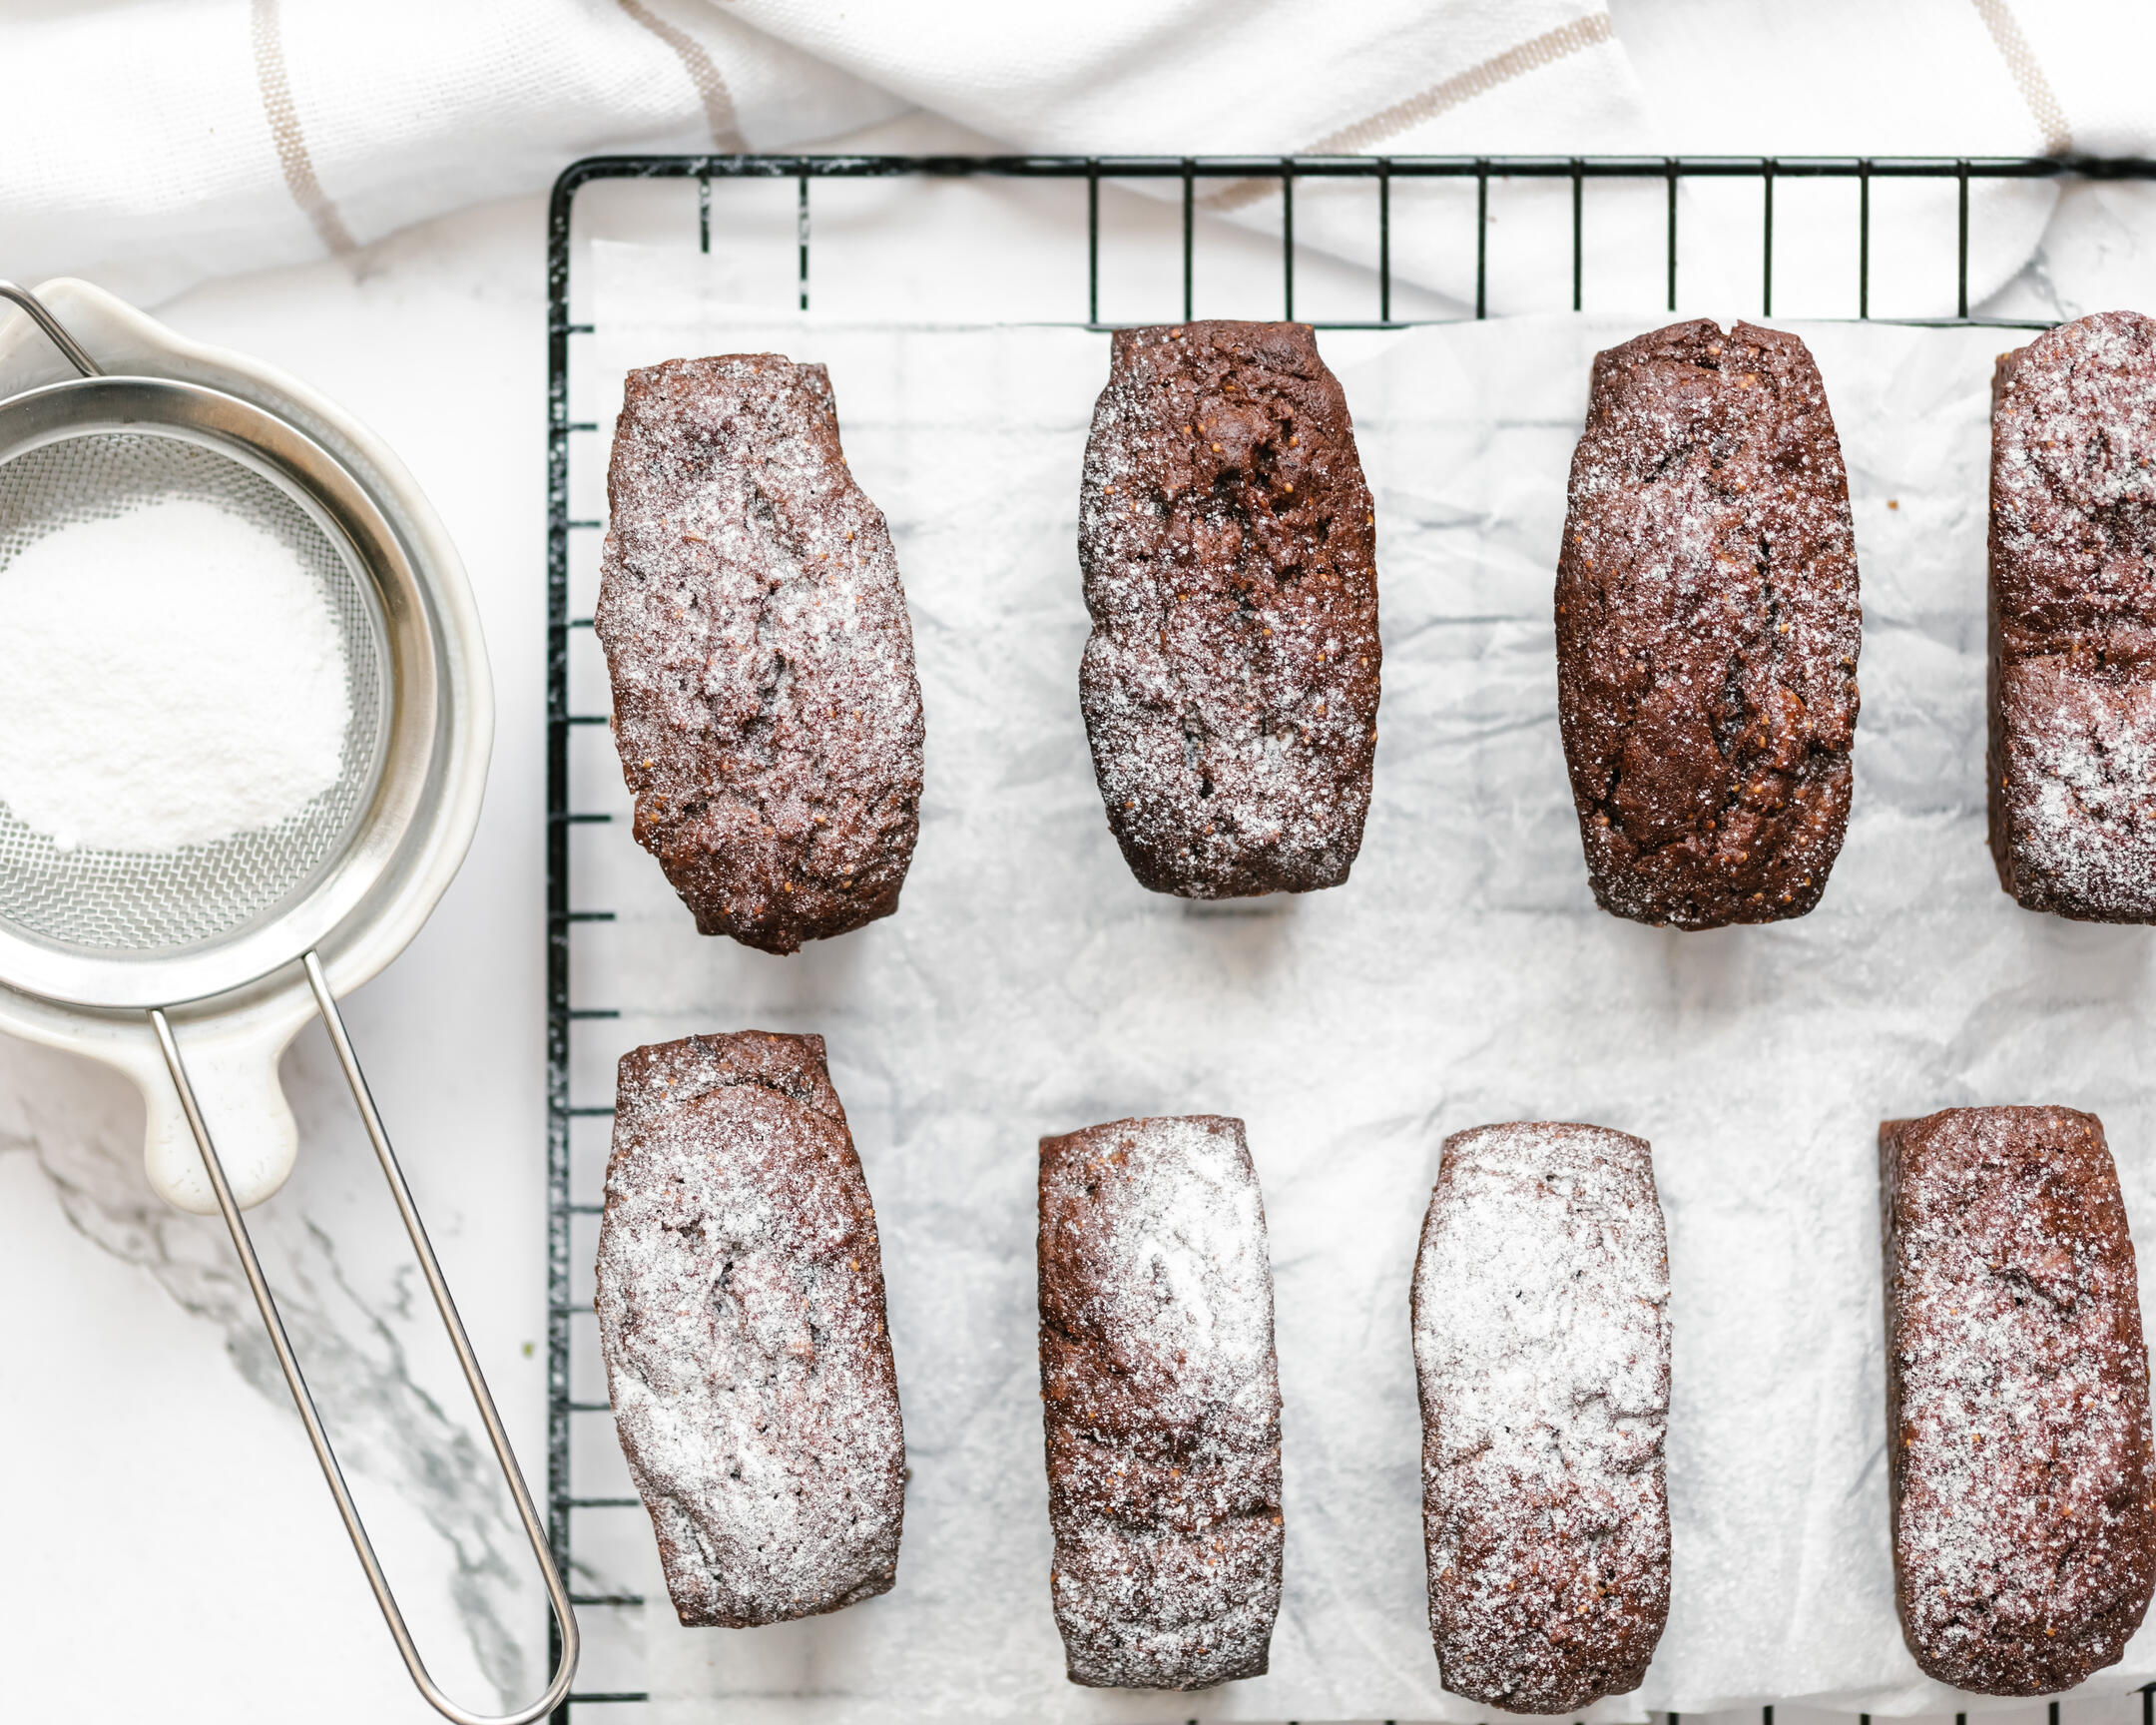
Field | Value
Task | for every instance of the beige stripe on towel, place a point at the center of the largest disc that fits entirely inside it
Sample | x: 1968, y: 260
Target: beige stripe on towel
x: 1515, y: 62
x: 275, y: 84
x: 702, y: 72
x: 2028, y: 76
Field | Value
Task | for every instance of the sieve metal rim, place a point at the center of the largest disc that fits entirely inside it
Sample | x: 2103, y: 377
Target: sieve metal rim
x: 322, y: 488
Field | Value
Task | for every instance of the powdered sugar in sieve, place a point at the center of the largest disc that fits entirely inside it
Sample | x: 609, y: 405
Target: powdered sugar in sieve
x: 191, y: 693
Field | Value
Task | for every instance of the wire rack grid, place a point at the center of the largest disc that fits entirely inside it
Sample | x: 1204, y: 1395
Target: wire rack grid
x: 570, y: 1341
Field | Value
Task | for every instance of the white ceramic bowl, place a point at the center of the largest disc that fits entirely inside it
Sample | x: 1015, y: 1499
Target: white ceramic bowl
x: 232, y: 1041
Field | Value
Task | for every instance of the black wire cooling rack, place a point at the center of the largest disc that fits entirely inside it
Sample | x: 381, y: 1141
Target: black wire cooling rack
x: 571, y: 1332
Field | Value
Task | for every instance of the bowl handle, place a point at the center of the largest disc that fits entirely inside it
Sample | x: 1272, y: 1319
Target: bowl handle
x: 234, y: 1068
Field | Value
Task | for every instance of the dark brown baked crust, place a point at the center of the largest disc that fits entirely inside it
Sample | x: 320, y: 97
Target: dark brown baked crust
x: 1230, y: 685
x: 1707, y: 629
x: 756, y: 633
x: 2072, y: 764
x: 1161, y: 1401
x: 1540, y: 1312
x: 2017, y: 1415
x: 740, y: 1314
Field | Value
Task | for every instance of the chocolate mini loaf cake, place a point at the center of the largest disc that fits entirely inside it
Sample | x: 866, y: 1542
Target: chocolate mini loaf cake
x: 1161, y: 1401
x: 1542, y: 1349
x: 2072, y: 749
x: 1230, y: 685
x: 2017, y: 1412
x: 756, y: 633
x: 1707, y: 629
x: 740, y: 1314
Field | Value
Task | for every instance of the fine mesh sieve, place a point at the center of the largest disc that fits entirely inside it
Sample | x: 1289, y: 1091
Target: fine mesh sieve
x: 129, y: 902
x: 113, y: 932
x: 114, y: 929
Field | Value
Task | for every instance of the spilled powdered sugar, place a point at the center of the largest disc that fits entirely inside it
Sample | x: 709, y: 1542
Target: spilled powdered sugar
x: 1541, y: 1342
x: 1161, y: 1401
x: 740, y: 1311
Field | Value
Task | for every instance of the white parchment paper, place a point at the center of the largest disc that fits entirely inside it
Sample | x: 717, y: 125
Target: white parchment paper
x: 1464, y: 976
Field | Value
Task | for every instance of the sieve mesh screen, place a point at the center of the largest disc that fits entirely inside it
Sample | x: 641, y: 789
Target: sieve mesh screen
x: 118, y: 902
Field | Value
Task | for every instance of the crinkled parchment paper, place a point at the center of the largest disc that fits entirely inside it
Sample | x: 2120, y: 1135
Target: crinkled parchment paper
x: 1464, y: 976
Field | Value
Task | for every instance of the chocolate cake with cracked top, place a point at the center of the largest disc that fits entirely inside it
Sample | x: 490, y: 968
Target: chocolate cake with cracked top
x: 1161, y: 1401
x: 1228, y: 543
x: 2017, y: 1412
x: 2072, y: 761
x: 1541, y: 1311
x: 1707, y: 629
x: 740, y: 1314
x: 757, y: 638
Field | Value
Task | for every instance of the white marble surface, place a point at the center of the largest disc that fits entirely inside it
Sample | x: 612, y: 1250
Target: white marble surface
x: 169, y: 1546
x: 170, y: 1543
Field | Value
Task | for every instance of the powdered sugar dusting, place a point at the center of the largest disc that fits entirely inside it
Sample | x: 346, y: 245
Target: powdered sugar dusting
x: 2073, y: 597
x: 1229, y: 683
x: 1542, y: 1343
x: 741, y: 1312
x: 756, y: 631
x: 1161, y: 1403
x: 1707, y: 629
x: 2083, y: 754
x: 2017, y: 1398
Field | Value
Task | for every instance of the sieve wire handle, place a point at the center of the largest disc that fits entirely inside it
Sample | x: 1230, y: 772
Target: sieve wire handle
x: 305, y: 1401
x: 54, y: 333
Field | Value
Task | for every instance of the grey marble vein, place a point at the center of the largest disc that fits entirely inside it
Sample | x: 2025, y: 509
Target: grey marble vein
x: 82, y: 1127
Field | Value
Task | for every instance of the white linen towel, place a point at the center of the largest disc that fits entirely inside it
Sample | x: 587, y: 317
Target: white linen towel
x: 150, y: 144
